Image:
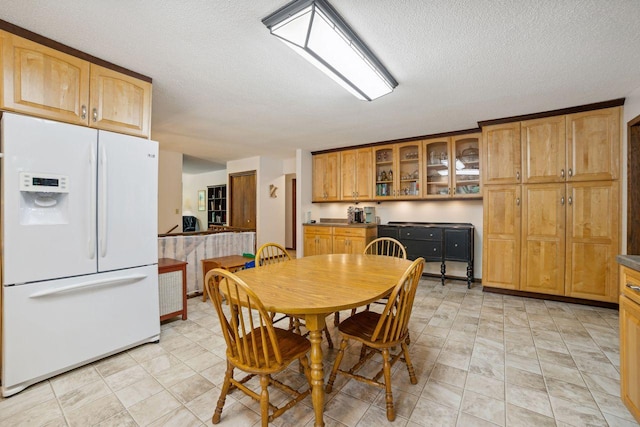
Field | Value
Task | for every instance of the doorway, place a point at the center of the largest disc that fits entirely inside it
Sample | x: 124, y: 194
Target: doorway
x: 242, y: 202
x: 633, y: 187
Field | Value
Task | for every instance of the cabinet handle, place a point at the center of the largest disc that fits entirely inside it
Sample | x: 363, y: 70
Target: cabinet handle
x: 570, y: 201
x: 517, y: 175
x: 83, y: 114
x: 562, y: 173
x: 633, y: 287
x: 456, y: 245
x: 562, y: 200
x: 449, y: 190
x: 454, y: 190
x: 95, y: 115
x: 570, y: 173
x: 518, y: 201
x: 435, y: 249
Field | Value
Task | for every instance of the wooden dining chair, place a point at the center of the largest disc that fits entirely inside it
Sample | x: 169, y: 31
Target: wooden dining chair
x: 380, y: 333
x: 387, y: 246
x: 254, y: 345
x: 273, y: 253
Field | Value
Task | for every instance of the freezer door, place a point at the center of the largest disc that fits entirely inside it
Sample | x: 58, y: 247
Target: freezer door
x: 49, y: 233
x: 127, y: 201
x: 51, y: 327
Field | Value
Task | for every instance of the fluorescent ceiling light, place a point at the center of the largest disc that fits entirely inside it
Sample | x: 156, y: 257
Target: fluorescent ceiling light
x: 314, y: 30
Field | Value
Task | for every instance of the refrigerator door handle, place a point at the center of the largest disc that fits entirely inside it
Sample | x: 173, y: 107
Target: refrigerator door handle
x: 91, y: 283
x: 103, y: 204
x: 92, y: 204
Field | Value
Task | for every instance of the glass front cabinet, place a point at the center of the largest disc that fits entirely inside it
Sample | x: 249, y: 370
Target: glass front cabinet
x: 452, y: 167
x: 397, y: 171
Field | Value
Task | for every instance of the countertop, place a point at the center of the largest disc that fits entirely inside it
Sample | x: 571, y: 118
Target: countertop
x: 342, y: 224
x: 631, y: 261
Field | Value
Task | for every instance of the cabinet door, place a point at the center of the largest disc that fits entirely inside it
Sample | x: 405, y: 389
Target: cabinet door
x: 356, y: 171
x: 629, y: 355
x: 348, y: 172
x: 501, y: 154
x: 437, y: 178
x: 384, y: 164
x: 326, y: 177
x: 544, y: 150
x: 43, y: 82
x: 593, y: 140
x: 119, y: 103
x: 407, y: 172
x: 543, y: 238
x: 465, y: 169
x: 364, y: 174
x: 501, y: 241
x: 592, y: 240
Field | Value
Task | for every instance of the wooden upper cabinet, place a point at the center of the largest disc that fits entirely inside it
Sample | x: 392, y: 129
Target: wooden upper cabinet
x: 465, y: 169
x: 593, y: 142
x: 356, y: 169
x: 44, y: 82
x: 119, y: 103
x: 544, y: 150
x: 326, y: 177
x: 398, y: 170
x: 501, y: 160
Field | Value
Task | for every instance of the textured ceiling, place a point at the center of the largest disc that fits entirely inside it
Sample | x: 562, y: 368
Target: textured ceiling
x: 225, y: 89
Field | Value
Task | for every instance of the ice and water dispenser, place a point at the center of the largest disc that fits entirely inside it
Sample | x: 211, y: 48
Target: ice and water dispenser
x: 43, y: 198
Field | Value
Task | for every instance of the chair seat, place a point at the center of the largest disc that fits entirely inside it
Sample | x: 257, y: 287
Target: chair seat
x: 292, y: 347
x: 361, y: 326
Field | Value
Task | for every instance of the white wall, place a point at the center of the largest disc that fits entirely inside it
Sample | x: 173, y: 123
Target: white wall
x: 288, y: 213
x: 631, y: 111
x: 191, y: 184
x: 270, y: 211
x: 169, y: 191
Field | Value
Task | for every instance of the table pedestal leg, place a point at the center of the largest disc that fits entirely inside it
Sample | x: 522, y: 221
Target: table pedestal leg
x: 315, y: 324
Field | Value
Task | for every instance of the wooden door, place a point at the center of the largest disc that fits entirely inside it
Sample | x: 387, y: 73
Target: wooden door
x: 326, y: 177
x: 501, y: 162
x: 629, y: 355
x: 243, y: 200
x: 544, y: 150
x: 592, y: 240
x: 593, y: 140
x: 43, y: 82
x: 543, y: 238
x: 119, y: 103
x: 501, y: 241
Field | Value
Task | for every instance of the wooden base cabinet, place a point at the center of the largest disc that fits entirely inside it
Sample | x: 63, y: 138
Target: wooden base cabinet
x: 630, y: 340
x: 321, y: 240
x: 318, y: 240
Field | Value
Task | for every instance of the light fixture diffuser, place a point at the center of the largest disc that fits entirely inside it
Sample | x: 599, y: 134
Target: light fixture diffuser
x: 315, y: 31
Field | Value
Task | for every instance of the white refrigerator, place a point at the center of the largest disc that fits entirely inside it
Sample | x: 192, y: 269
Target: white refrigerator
x: 79, y: 246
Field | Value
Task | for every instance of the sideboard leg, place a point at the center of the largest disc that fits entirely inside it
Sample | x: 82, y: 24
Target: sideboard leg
x: 443, y: 269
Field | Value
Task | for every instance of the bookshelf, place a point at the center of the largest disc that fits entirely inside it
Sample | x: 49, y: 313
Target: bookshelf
x: 216, y: 205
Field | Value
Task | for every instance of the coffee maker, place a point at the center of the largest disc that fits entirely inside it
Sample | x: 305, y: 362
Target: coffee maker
x: 369, y: 214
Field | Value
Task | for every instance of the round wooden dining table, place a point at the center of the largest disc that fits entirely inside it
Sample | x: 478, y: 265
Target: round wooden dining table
x: 316, y: 286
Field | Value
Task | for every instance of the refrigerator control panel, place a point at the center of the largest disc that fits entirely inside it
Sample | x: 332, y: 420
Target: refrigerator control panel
x: 43, y: 183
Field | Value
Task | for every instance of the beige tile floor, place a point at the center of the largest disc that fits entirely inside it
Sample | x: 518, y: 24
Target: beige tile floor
x: 481, y: 360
